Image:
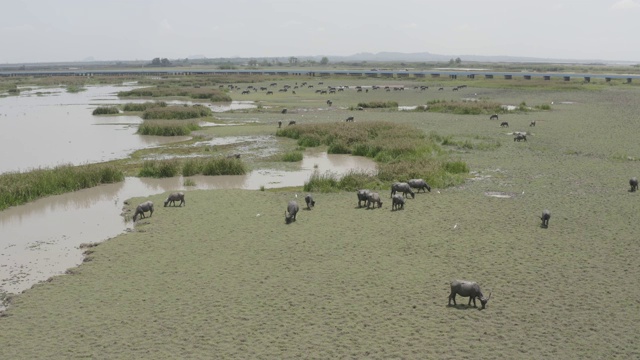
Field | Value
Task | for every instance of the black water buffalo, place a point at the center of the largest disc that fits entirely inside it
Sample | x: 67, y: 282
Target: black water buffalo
x: 292, y: 122
x: 284, y: 111
x: 532, y: 123
x: 419, y: 184
x: 520, y: 137
x: 279, y: 123
x: 634, y: 183
x: 468, y: 289
x: 504, y: 124
x: 493, y: 117
x: 177, y: 196
x: 143, y: 208
x: 290, y: 213
x: 546, y: 215
x: 349, y: 119
x: 363, y: 196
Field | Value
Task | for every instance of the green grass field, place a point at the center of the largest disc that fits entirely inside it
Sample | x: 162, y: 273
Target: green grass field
x: 224, y: 277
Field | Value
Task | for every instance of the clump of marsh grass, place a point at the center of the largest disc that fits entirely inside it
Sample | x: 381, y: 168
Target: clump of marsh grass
x: 159, y: 168
x: 106, y: 110
x: 223, y: 166
x: 379, y: 104
x: 176, y: 112
x: 75, y: 88
x: 213, y: 166
x: 20, y: 188
x: 167, y: 127
x: 292, y: 156
x: 143, y: 106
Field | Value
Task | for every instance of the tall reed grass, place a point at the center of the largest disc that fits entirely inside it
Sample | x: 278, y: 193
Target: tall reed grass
x: 160, y: 168
x: 379, y: 104
x: 193, y: 166
x: 176, y: 112
x: 167, y: 127
x: 106, y: 110
x: 143, y: 106
x: 20, y: 188
x: 292, y: 156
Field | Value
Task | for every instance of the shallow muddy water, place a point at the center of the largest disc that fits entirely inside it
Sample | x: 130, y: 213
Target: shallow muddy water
x: 49, y: 127
x: 42, y: 238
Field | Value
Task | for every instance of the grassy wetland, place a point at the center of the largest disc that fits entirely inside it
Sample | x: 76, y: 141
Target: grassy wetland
x: 225, y: 277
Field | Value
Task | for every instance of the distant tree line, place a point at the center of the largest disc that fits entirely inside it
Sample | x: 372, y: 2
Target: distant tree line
x: 160, y: 62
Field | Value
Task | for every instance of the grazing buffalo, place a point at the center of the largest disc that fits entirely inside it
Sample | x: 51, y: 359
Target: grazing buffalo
x: 402, y: 187
x: 520, y: 137
x: 419, y: 184
x: 493, y: 117
x: 310, y: 202
x: 504, y: 124
x: 175, y: 197
x: 532, y: 123
x: 468, y: 289
x: 290, y: 213
x: 329, y: 102
x: 397, y: 202
x: 269, y: 92
x: 279, y: 124
x: 363, y: 196
x: 292, y: 122
x: 143, y: 208
x: 284, y: 111
x: 374, y: 198
x: 349, y: 119
x: 634, y: 183
x: 245, y: 92
x: 546, y: 215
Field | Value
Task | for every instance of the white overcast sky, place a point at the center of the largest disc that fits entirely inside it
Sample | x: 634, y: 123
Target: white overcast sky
x: 73, y: 30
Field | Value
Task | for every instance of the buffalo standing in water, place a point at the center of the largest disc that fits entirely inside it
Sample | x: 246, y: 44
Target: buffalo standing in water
x: 546, y: 215
x: 290, y: 213
x: 467, y: 289
x: 142, y: 208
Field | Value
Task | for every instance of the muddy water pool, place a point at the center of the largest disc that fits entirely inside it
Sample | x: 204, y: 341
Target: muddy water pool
x: 49, y: 127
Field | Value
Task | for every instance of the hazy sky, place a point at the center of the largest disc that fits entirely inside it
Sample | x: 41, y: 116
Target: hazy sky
x: 73, y: 30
